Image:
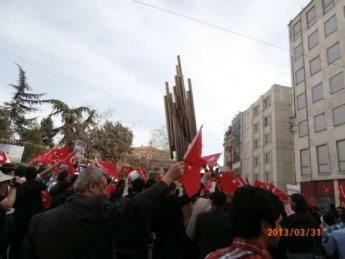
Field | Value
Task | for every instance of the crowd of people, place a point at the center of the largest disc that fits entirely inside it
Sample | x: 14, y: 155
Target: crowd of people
x: 154, y: 218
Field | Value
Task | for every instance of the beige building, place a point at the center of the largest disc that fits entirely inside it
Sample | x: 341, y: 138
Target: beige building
x: 267, y: 141
x: 227, y: 149
x: 317, y: 45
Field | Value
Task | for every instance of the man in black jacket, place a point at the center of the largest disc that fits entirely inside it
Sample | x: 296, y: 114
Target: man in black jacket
x: 83, y: 226
x: 212, y: 229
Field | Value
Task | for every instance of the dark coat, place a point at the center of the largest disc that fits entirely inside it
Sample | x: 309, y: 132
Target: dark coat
x: 82, y: 227
x: 212, y: 231
x: 299, y: 244
x: 167, y: 222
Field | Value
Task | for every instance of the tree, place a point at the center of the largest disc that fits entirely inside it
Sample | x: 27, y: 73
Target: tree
x: 110, y: 140
x: 159, y: 138
x: 75, y: 121
x: 48, y: 131
x: 33, y: 137
x: 5, y: 131
x: 22, y: 103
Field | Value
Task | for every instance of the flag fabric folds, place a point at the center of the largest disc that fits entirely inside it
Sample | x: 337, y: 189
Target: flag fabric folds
x: 211, y: 160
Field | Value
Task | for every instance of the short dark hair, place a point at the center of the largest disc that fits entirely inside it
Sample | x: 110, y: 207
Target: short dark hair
x: 249, y: 207
x: 30, y: 173
x: 300, y: 203
x: 218, y: 199
x: 7, y: 168
x: 138, y: 185
x: 329, y: 219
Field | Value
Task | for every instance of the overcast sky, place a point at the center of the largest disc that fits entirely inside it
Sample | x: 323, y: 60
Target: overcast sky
x: 117, y: 54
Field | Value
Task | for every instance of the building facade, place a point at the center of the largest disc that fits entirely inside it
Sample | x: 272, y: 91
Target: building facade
x: 236, y: 143
x: 227, y: 149
x: 267, y: 149
x: 317, y: 47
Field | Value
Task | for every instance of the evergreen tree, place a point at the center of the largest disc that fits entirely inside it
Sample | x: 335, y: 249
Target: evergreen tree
x: 5, y: 131
x: 48, y: 131
x: 22, y: 103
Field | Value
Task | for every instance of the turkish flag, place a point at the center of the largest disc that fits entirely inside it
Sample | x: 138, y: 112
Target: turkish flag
x: 60, y: 154
x: 46, y: 199
x: 192, y: 159
x: 281, y: 195
x: 69, y: 161
x: 229, y: 182
x: 262, y: 185
x: 127, y: 169
x: 191, y: 179
x: 3, y: 157
x: 108, y: 167
x: 211, y: 160
x: 342, y: 192
x: 311, y: 200
x: 110, y: 189
x: 241, y: 180
x: 45, y: 157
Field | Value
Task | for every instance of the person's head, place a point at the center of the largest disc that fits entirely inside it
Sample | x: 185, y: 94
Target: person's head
x: 30, y: 173
x: 7, y: 168
x: 340, y: 210
x: 19, y: 171
x: 298, y: 203
x: 218, y: 199
x: 329, y: 219
x: 62, y: 176
x: 254, y: 212
x: 138, y: 185
x: 91, y: 182
x: 4, y: 183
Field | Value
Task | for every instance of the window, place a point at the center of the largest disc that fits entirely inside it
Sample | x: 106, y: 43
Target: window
x: 317, y: 93
x: 330, y: 25
x: 336, y: 82
x: 304, y: 155
x: 299, y: 76
x: 311, y: 17
x: 267, y: 157
x: 266, y: 120
x: 256, y: 161
x: 256, y: 110
x: 327, y: 5
x: 313, y: 39
x: 267, y: 177
x: 256, y: 144
x: 256, y: 127
x: 297, y: 30
x: 267, y: 138
x: 301, y: 103
x: 322, y: 159
x: 333, y: 53
x: 341, y: 154
x: 267, y: 102
x: 298, y: 52
x: 303, y: 128
x: 320, y: 122
x: 315, y: 65
x: 339, y: 115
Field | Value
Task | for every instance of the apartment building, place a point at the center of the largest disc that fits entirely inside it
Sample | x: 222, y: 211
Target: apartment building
x: 227, y: 149
x: 317, y: 47
x: 267, y: 143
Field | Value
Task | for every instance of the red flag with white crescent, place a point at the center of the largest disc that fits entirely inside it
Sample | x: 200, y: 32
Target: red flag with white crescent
x: 3, y: 157
x: 127, y: 169
x: 281, y: 195
x: 108, y: 167
x: 266, y: 186
x: 229, y: 182
x: 69, y: 161
x: 211, y: 160
x: 60, y: 154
